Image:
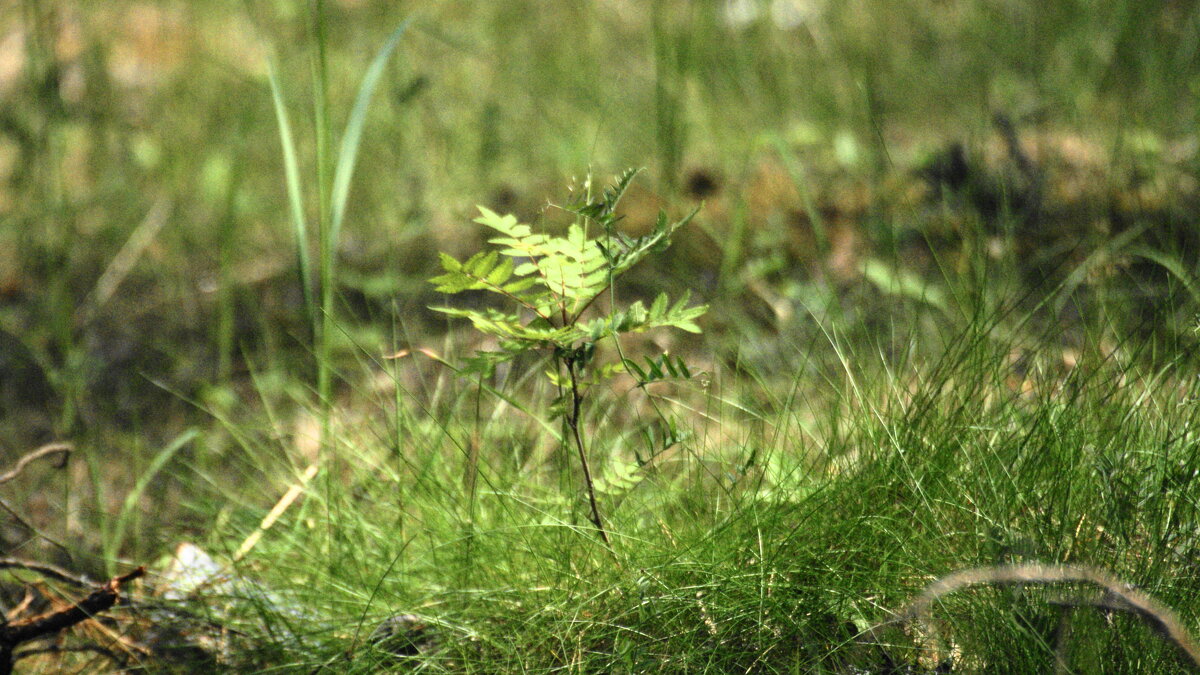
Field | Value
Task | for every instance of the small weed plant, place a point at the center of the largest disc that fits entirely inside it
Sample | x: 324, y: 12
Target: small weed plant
x: 553, y: 287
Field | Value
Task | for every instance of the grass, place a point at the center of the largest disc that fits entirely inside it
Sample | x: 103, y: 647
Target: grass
x: 776, y: 536
x: 909, y: 370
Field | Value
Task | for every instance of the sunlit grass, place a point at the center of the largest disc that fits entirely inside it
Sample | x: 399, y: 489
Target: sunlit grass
x: 904, y: 378
x: 780, y: 532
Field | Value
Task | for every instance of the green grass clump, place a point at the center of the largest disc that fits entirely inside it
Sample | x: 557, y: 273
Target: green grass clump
x: 949, y: 255
x: 776, y: 536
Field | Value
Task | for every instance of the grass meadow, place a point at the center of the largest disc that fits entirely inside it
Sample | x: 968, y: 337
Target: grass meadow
x: 943, y: 414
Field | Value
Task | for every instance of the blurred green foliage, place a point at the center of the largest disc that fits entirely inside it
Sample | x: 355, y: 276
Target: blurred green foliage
x: 853, y: 158
x: 984, y: 193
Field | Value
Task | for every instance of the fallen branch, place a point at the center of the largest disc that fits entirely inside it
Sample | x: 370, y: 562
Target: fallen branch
x: 14, y: 633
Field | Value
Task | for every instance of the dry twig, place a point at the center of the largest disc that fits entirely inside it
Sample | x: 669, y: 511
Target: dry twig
x: 14, y: 633
x: 1118, y: 597
x: 61, y: 449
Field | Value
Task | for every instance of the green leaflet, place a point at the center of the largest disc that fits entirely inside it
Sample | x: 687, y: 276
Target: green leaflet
x: 637, y: 319
x: 550, y: 281
x: 494, y: 322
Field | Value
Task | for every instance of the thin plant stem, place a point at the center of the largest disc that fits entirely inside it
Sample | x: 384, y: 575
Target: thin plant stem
x: 325, y: 244
x: 573, y: 423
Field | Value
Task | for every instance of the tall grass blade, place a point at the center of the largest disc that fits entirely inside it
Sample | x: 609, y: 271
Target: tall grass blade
x: 295, y: 191
x: 113, y: 545
x: 1097, y: 258
x: 352, y: 137
x: 1171, y: 264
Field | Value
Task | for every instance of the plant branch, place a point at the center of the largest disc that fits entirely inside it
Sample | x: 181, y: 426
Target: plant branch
x: 579, y: 315
x: 102, y: 599
x: 515, y: 298
x: 63, y: 449
x: 573, y: 422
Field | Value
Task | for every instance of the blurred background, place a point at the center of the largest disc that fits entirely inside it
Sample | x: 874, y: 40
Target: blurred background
x: 854, y: 159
